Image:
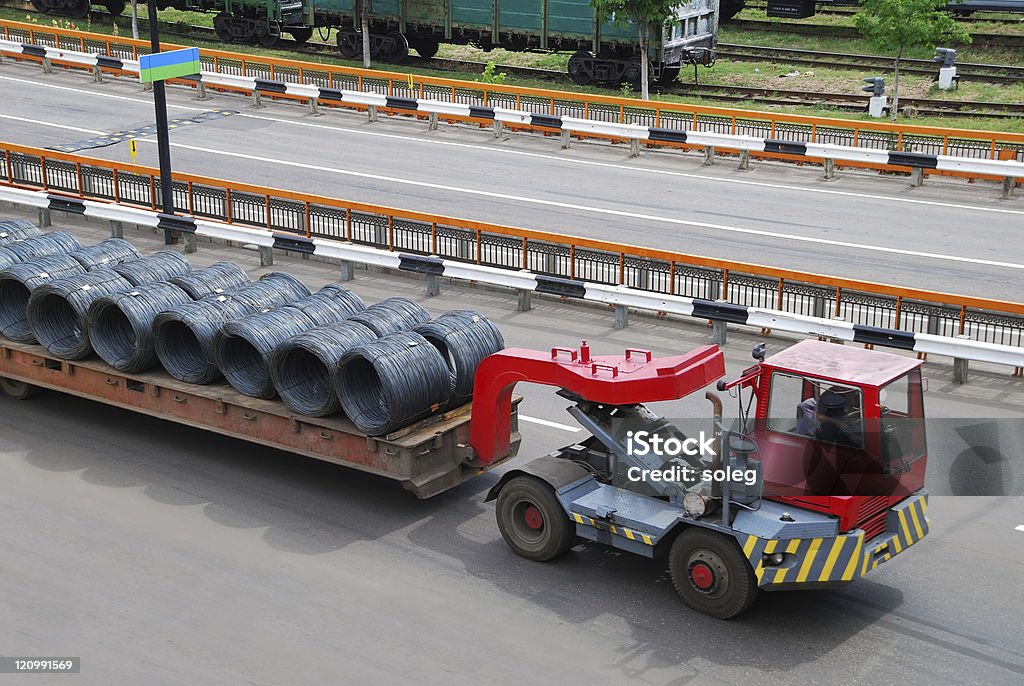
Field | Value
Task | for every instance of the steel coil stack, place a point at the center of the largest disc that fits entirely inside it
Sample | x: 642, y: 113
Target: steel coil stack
x: 218, y: 278
x: 184, y: 334
x: 14, y: 230
x: 57, y: 311
x: 391, y: 316
x: 121, y: 325
x: 160, y: 266
x: 17, y: 283
x: 303, y: 367
x: 330, y: 304
x: 464, y: 338
x: 53, y: 243
x: 108, y: 253
x: 391, y: 382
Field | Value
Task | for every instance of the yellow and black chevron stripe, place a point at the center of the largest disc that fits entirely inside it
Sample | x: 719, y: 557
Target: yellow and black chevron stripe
x: 632, y: 535
x: 907, y: 524
x: 808, y: 560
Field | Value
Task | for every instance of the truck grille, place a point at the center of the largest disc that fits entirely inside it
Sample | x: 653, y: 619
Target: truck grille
x: 871, y: 517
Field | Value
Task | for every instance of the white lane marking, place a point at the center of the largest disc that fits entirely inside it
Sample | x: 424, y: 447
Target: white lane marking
x: 545, y: 422
x: 1019, y: 527
x: 570, y: 206
x: 592, y: 163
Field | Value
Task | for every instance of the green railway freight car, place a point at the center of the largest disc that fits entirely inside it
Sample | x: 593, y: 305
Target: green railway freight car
x: 604, y: 52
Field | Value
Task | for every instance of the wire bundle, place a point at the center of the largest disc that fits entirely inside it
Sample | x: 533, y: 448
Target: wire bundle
x: 392, y: 315
x: 463, y: 338
x: 13, y: 230
x: 302, y: 368
x: 218, y: 278
x: 243, y: 348
x: 160, y: 266
x: 53, y: 243
x: 17, y: 283
x: 121, y: 325
x: 57, y: 311
x: 184, y: 334
x: 391, y: 382
x: 330, y: 304
x: 104, y: 254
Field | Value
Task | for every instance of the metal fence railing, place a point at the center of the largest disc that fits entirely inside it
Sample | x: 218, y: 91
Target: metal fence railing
x: 571, y: 257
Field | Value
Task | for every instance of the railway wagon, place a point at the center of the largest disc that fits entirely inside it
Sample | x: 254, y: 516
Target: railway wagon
x: 604, y: 52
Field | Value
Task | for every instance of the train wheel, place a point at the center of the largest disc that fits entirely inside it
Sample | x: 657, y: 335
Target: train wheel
x: 79, y: 9
x: 532, y: 521
x: 579, y: 68
x: 350, y: 43
x: 395, y: 48
x: 711, y: 573
x: 271, y: 37
x: 222, y: 27
x: 116, y: 7
x: 668, y: 75
x: 427, y: 47
x: 40, y: 6
x: 19, y: 390
x: 300, y: 34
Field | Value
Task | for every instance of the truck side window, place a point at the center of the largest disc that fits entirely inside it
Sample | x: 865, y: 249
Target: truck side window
x: 785, y: 413
x: 815, y: 408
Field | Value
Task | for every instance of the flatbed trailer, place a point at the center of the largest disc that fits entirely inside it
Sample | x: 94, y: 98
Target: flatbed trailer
x: 426, y: 458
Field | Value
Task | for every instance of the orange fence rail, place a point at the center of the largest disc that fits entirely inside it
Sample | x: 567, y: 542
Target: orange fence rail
x: 571, y: 257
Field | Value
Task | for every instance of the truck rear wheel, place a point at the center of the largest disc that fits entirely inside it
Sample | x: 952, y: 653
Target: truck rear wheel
x: 711, y: 574
x: 532, y: 521
x: 19, y: 390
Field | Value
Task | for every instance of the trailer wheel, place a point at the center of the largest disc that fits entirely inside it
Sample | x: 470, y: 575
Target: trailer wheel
x: 532, y: 521
x: 19, y: 390
x: 711, y: 573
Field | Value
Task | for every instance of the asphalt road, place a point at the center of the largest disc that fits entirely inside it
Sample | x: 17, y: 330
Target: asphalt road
x: 948, y: 235
x: 161, y: 554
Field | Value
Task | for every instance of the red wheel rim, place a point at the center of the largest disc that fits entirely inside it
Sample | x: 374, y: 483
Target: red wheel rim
x: 702, y: 576
x: 533, y: 518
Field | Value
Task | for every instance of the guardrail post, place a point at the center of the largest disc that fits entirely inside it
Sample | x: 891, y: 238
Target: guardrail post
x: 47, y: 66
x: 917, y: 177
x: 347, y: 271
x: 314, y: 108
x: 718, y: 332
x: 371, y: 113
x: 432, y: 122
x: 499, y: 128
x: 201, y: 91
x: 634, y: 147
x: 838, y: 341
x: 147, y: 86
x: 257, y: 101
x: 744, y: 160
x: 433, y: 285
x: 960, y: 366
x: 621, y: 316
x: 830, y: 169
x: 1009, y: 182
x: 190, y: 242
x: 266, y: 255
x: 97, y: 75
x: 44, y: 217
x: 709, y: 155
x: 116, y: 229
x: 565, y: 139
x: 525, y: 301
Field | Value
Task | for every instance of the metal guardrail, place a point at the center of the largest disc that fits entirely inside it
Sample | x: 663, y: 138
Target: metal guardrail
x: 569, y: 257
x: 874, y: 135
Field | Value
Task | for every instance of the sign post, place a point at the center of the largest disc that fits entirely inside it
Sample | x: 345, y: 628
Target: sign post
x: 133, y: 149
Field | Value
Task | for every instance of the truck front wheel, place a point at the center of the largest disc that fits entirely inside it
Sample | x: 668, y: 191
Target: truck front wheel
x: 532, y: 521
x: 711, y: 573
x: 19, y: 390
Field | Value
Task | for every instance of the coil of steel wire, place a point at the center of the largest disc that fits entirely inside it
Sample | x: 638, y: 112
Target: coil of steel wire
x: 160, y: 266
x: 121, y: 325
x: 391, y: 315
x: 243, y: 348
x: 391, y: 382
x: 108, y: 253
x: 17, y: 283
x: 184, y: 334
x: 218, y: 278
x: 330, y: 304
x: 53, y: 243
x: 302, y: 368
x: 464, y: 338
x: 57, y: 311
x: 13, y: 230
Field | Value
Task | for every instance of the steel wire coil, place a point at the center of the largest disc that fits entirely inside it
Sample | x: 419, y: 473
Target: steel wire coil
x: 13, y: 230
x: 391, y: 382
x: 108, y: 253
x: 464, y: 338
x: 58, y: 311
x: 243, y: 348
x: 184, y: 334
x: 160, y: 266
x: 391, y: 316
x: 218, y: 278
x: 121, y: 325
x: 17, y: 283
x: 330, y: 304
x: 302, y: 368
x: 53, y: 243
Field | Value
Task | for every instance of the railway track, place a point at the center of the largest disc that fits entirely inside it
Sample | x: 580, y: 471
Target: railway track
x: 852, y: 9
x: 995, y: 40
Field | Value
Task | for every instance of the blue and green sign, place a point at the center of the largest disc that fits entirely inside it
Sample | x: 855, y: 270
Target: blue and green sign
x: 169, y: 65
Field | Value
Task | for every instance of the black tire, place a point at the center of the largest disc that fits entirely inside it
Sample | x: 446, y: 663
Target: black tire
x: 116, y: 7
x: 711, y: 574
x: 300, y: 34
x: 19, y: 390
x: 350, y: 43
x: 532, y: 521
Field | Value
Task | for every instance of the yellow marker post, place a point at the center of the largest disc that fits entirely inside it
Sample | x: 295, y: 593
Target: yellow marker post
x: 412, y: 88
x: 133, y: 148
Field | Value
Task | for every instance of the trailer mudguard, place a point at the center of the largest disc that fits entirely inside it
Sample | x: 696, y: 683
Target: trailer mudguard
x: 551, y: 469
